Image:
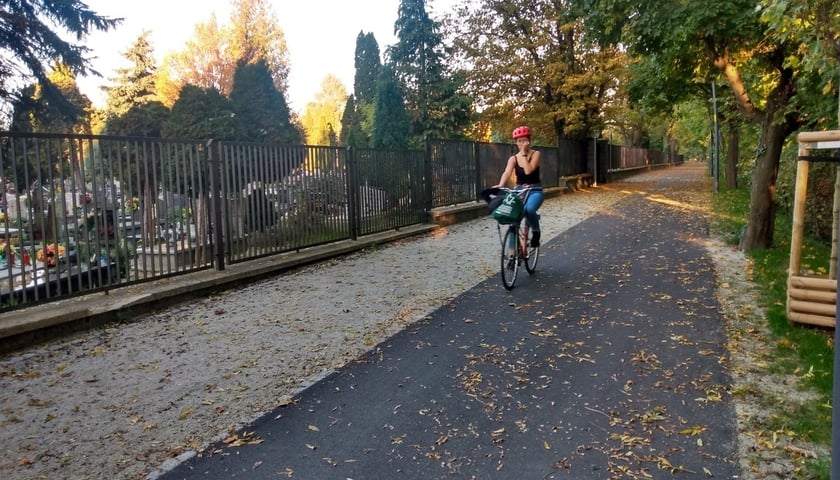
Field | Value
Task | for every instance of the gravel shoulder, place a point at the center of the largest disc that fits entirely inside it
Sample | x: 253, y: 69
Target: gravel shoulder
x: 124, y: 401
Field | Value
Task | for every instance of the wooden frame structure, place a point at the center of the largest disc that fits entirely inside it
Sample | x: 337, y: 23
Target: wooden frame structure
x: 810, y: 299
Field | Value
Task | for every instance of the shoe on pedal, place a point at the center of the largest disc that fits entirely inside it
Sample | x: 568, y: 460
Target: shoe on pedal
x: 535, y: 239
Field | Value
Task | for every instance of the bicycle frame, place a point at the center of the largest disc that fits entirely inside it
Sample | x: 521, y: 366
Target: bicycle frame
x: 519, y: 249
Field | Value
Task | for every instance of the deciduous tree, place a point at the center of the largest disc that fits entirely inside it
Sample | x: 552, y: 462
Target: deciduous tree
x: 743, y: 44
x: 211, y: 57
x: 33, y: 111
x: 530, y: 61
x: 321, y: 119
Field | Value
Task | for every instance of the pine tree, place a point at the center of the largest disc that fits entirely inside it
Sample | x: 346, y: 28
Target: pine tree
x: 368, y: 66
x: 27, y: 43
x: 132, y: 106
x: 261, y: 109
x: 33, y: 111
x: 202, y: 113
x: 435, y: 106
x: 351, y: 134
x: 391, y: 127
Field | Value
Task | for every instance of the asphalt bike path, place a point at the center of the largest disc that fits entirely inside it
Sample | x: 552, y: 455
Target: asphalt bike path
x: 608, y: 362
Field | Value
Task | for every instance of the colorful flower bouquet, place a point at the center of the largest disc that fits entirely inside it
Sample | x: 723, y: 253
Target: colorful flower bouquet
x: 50, y: 254
x: 8, y: 252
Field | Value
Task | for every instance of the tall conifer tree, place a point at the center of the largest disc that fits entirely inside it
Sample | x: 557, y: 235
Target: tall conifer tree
x: 260, y: 108
x: 434, y: 105
x: 391, y: 126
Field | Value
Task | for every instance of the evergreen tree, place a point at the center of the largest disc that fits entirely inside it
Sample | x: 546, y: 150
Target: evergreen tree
x: 132, y: 106
x: 260, y: 108
x: 27, y: 43
x: 434, y: 104
x: 211, y: 57
x: 202, y: 113
x: 351, y: 134
x: 33, y: 111
x: 368, y: 66
x: 391, y: 126
x: 256, y: 36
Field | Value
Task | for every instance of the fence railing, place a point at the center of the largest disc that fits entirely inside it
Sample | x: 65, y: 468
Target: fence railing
x: 83, y: 213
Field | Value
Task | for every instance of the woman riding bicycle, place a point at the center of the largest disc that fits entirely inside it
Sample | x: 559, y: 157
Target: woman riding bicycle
x: 526, y: 165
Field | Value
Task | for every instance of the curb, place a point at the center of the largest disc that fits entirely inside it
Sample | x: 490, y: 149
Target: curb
x: 23, y: 327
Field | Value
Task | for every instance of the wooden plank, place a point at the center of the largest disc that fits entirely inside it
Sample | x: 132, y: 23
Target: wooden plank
x: 821, y: 296
x: 810, y: 319
x: 812, y: 307
x: 824, y: 136
x: 814, y: 283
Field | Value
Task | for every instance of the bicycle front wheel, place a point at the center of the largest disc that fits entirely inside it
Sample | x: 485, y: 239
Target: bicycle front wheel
x: 532, y: 255
x: 510, y: 258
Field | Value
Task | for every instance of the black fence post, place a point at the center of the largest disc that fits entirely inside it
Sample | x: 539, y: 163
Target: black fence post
x: 352, y: 194
x: 427, y: 165
x: 479, y: 175
x: 216, y: 191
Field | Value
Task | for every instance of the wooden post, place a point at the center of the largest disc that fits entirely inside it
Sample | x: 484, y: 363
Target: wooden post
x: 835, y: 221
x: 800, y: 194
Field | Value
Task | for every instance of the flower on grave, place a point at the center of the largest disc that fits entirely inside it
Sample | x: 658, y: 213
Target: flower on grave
x: 50, y: 254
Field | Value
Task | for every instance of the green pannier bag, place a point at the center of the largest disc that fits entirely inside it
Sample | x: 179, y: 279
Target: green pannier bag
x: 510, y: 210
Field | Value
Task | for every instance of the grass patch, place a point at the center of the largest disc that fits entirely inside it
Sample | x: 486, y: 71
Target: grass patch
x: 798, y: 350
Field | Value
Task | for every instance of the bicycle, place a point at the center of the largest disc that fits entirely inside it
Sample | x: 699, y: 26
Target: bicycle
x: 516, y: 241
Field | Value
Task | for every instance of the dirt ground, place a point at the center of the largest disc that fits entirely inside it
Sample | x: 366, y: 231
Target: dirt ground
x: 128, y: 401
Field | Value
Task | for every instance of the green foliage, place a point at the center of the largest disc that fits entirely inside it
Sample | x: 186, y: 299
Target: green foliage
x: 134, y: 85
x: 322, y: 117
x: 202, y: 114
x: 28, y: 42
x: 261, y: 109
x: 34, y: 112
x: 351, y: 134
x: 211, y: 56
x: 391, y: 127
x: 141, y: 120
x: 368, y: 65
x: 804, y: 352
x: 357, y: 123
x: 530, y: 62
x: 692, y: 129
x: 434, y: 102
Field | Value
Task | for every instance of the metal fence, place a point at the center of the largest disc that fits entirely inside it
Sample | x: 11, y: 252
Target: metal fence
x: 82, y: 213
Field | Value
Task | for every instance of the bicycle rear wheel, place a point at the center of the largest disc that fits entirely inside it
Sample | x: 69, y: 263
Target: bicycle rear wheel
x: 533, y: 253
x: 510, y: 258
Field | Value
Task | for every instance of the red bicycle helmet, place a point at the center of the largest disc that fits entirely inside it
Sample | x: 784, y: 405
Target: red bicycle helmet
x: 522, y: 131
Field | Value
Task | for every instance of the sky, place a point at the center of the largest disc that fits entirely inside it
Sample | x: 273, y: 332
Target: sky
x: 320, y: 36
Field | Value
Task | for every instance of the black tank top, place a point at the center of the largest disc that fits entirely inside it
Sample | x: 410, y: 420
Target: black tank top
x: 524, y: 179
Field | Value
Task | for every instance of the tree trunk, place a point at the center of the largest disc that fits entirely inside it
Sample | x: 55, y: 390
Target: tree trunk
x: 732, y: 154
x: 759, y: 233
